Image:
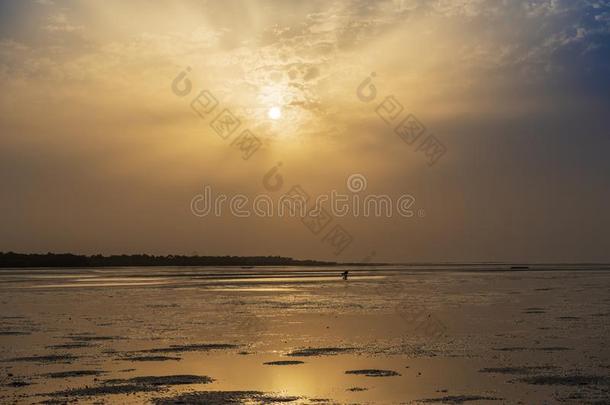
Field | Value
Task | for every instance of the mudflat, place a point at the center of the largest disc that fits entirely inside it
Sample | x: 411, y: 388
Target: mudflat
x: 302, y: 335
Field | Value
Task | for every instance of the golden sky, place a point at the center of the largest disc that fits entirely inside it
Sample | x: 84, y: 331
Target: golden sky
x: 98, y: 154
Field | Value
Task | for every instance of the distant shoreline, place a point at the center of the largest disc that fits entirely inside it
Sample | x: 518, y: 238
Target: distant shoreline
x: 69, y: 260
x: 23, y: 260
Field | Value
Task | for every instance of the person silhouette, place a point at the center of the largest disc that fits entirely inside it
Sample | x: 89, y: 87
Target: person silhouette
x: 344, y: 275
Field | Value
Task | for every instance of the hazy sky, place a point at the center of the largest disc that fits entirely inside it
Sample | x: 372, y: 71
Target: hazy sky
x: 97, y: 153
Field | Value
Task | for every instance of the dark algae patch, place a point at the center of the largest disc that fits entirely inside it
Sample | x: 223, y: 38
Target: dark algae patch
x: 319, y: 351
x: 75, y: 345
x: 209, y: 397
x: 534, y: 310
x: 200, y: 347
x: 52, y: 358
x: 511, y: 349
x: 224, y: 398
x: 133, y: 385
x: 103, y: 390
x: 283, y: 363
x: 516, y: 370
x: 13, y: 333
x: 374, y: 373
x: 73, y: 373
x: 458, y: 399
x: 552, y: 349
x: 164, y: 380
x: 18, y: 383
x: 535, y: 349
x: 150, y: 358
x: 569, y: 380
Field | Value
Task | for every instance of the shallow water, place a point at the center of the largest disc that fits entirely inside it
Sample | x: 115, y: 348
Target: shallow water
x: 452, y: 333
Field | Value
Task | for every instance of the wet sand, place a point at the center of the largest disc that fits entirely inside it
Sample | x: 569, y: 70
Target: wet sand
x: 388, y: 335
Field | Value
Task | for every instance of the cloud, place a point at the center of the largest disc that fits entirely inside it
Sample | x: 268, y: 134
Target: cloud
x: 45, y: 2
x: 58, y: 22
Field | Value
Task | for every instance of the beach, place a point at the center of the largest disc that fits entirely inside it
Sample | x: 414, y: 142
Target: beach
x: 302, y: 335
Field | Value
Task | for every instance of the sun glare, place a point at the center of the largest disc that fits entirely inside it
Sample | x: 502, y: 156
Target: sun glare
x: 275, y: 113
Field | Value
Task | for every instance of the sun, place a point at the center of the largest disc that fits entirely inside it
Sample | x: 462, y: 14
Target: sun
x: 274, y: 113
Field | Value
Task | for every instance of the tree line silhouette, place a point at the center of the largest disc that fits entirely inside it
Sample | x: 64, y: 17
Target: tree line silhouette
x: 12, y: 259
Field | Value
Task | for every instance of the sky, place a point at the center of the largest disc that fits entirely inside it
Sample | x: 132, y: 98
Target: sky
x: 102, y: 151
